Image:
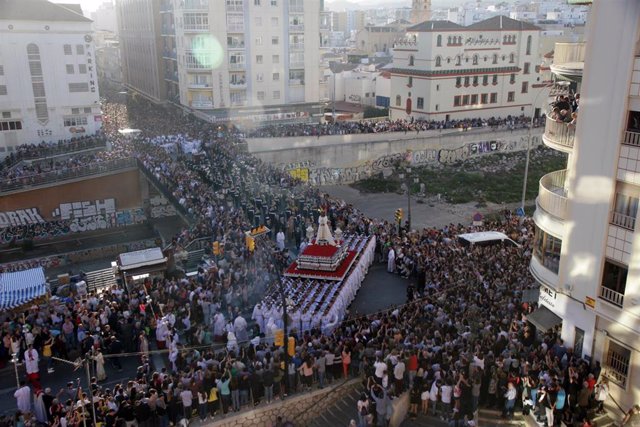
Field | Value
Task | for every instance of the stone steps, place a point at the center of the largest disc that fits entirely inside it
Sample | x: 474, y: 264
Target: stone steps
x: 341, y: 412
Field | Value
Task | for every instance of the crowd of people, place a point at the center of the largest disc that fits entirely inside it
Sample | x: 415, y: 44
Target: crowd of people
x: 381, y: 126
x: 565, y: 109
x: 461, y: 341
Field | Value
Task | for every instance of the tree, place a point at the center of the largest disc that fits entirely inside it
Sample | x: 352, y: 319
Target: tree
x: 375, y: 112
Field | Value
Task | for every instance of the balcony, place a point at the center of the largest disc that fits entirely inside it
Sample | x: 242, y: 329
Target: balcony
x: 611, y: 296
x: 170, y: 55
x: 296, y: 46
x: 237, y: 65
x: 558, y: 135
x: 631, y: 138
x: 196, y: 28
x: 296, y: 64
x: 201, y: 104
x: 296, y: 28
x: 171, y: 77
x: 568, y: 60
x: 238, y: 102
x: 235, y: 7
x: 296, y: 8
x: 238, y: 85
x: 235, y: 28
x: 296, y: 82
x: 199, y: 86
x: 237, y: 45
x: 552, y: 195
x: 623, y: 221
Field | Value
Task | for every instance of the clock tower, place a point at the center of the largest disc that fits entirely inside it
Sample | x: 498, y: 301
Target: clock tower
x: 420, y: 11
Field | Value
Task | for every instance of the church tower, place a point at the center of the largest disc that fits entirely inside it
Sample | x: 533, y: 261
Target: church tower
x: 420, y: 11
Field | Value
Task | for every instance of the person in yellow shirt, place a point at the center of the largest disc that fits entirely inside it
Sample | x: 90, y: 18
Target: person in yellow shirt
x: 212, y: 402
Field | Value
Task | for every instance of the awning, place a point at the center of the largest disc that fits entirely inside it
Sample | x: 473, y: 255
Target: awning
x: 21, y: 287
x: 146, y: 257
x: 544, y: 319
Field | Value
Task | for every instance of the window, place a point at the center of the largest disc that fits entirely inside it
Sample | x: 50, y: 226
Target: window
x: 260, y: 95
x: 276, y: 94
x: 276, y: 77
x: 546, y: 249
x: 67, y: 49
x: 439, y: 40
x: 512, y: 79
x: 484, y: 98
x: 259, y: 41
x: 275, y: 59
x: 256, y: 2
x: 411, y: 60
x: 82, y: 68
x: 79, y: 49
x: 465, y: 99
x: 274, y: 21
x: 87, y: 110
x: 437, y: 107
x: 625, y: 211
x: 525, y: 87
x: 475, y: 59
x: 70, y: 69
x: 6, y: 114
x: 78, y: 87
x: 398, y: 100
x: 512, y: 58
x: 438, y: 61
x: 526, y: 68
x: 3, y: 89
x: 274, y: 2
x: 75, y: 111
x: 420, y: 105
x: 37, y: 83
x: 258, y: 59
x: 11, y: 125
x: 494, y: 97
x: 409, y: 81
x: 511, y: 96
x: 474, y: 99
x: 614, y: 278
x: 296, y: 77
x: 528, y: 45
x: 466, y: 81
x: 456, y: 101
x: 617, y: 363
x: 75, y: 121
x: 485, y: 80
x: 1, y: 70
x: 495, y: 79
x: 495, y: 58
x: 259, y: 77
x: 458, y: 60
x: 475, y: 80
x: 458, y: 81
x: 275, y: 40
x: 196, y: 21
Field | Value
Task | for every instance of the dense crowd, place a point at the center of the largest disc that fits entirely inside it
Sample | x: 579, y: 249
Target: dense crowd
x: 381, y: 126
x: 565, y: 109
x: 461, y: 341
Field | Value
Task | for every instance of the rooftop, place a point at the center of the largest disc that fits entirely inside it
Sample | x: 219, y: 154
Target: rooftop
x: 40, y: 10
x: 502, y: 23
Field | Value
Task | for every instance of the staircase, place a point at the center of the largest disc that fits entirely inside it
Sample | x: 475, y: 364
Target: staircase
x: 99, y: 280
x: 341, y: 412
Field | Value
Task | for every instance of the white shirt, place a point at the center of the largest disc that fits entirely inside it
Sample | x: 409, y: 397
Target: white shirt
x: 398, y: 370
x: 31, y: 361
x: 445, y: 393
x: 380, y: 367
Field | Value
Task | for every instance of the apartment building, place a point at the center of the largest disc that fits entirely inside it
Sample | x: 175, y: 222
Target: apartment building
x: 48, y: 77
x: 586, y: 252
x: 442, y: 70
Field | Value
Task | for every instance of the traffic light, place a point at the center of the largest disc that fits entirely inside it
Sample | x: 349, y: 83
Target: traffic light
x: 398, y: 215
x: 279, y: 338
x: 291, y: 346
x: 251, y: 243
x: 216, y: 248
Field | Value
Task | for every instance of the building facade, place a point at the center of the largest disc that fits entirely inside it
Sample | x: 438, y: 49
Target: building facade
x: 586, y: 252
x: 420, y: 11
x: 48, y: 76
x: 140, y: 29
x: 442, y: 70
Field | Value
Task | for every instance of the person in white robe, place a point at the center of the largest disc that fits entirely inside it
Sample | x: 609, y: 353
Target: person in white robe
x: 240, y: 326
x: 280, y: 240
x: 258, y: 316
x: 38, y: 407
x: 218, y: 324
x: 173, y: 354
x: 391, y: 261
x: 296, y: 321
x: 101, y: 374
x: 232, y: 342
x: 306, y: 321
x: 23, y: 398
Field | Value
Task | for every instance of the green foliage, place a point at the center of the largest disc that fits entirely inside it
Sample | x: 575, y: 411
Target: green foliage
x: 375, y: 112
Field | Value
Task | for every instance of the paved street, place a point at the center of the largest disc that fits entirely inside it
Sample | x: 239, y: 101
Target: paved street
x: 379, y: 290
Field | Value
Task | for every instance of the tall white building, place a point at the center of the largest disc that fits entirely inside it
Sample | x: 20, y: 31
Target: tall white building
x: 443, y: 70
x: 587, y: 247
x: 48, y: 78
x: 256, y: 60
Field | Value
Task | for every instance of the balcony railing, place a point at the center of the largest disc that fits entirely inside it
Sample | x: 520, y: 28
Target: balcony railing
x: 568, y: 59
x: 296, y: 64
x: 559, y: 133
x: 296, y: 82
x: 296, y: 28
x: 552, y: 195
x: 238, y: 102
x: 65, y: 175
x: 235, y: 45
x: 199, y: 85
x: 609, y: 295
x: 196, y: 28
x: 202, y: 104
x: 62, y: 149
x: 235, y: 28
x: 237, y: 85
x: 296, y: 8
x: 231, y: 7
x: 169, y: 54
x: 631, y: 138
x: 623, y: 221
x: 237, y: 65
x: 171, y: 77
x: 296, y: 46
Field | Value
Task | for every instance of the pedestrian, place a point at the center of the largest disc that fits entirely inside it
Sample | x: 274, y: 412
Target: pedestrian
x: 23, y: 397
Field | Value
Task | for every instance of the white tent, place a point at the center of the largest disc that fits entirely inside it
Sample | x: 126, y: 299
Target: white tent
x: 21, y: 287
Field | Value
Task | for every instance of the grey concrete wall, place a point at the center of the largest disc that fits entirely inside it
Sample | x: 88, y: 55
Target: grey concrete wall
x: 341, y: 159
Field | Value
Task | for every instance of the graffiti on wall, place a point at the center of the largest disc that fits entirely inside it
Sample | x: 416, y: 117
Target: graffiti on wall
x: 20, y: 217
x: 445, y: 156
x: 161, y: 208
x: 84, y: 209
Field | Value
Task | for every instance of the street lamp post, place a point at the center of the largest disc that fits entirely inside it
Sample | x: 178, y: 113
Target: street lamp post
x: 14, y: 360
x: 407, y: 183
x: 526, y: 164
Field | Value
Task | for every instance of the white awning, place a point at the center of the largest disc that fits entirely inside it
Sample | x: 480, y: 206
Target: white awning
x: 143, y: 258
x: 486, y: 237
x: 21, y: 287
